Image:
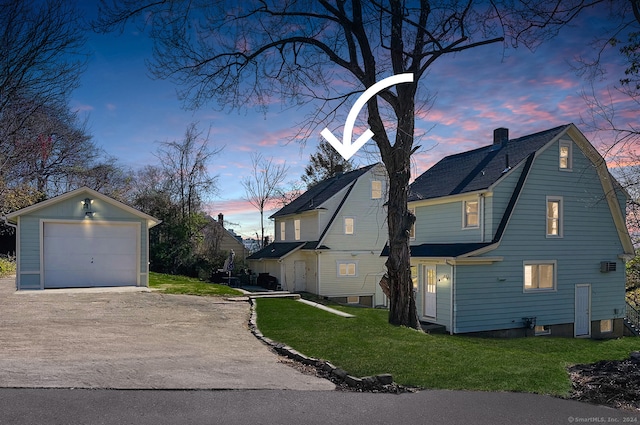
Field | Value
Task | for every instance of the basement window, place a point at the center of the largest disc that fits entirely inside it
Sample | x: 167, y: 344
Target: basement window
x: 542, y: 330
x: 606, y: 326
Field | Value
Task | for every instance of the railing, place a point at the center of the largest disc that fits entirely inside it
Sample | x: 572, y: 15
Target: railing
x: 633, y: 316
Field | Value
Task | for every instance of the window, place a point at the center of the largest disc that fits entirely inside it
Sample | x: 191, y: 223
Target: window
x: 349, y: 225
x: 296, y: 229
x: 412, y: 231
x: 565, y: 155
x: 376, y: 189
x: 539, y: 276
x: 282, y: 231
x: 554, y: 216
x: 414, y: 277
x: 470, y: 214
x: 606, y: 326
x: 347, y: 268
x: 542, y: 330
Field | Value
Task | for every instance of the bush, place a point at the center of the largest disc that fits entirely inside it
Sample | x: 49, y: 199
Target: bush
x: 7, y: 266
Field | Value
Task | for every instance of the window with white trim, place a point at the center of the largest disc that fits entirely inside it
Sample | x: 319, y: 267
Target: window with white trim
x: 296, y: 229
x: 349, y: 225
x: 283, y: 232
x: 539, y: 276
x: 470, y: 214
x: 554, y: 216
x: 564, y: 155
x: 412, y: 231
x: 347, y: 268
x: 376, y: 189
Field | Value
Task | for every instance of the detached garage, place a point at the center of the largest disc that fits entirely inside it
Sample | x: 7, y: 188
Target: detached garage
x: 81, y: 239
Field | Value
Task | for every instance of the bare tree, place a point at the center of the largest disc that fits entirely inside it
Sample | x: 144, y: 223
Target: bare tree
x: 246, y: 53
x: 262, y: 186
x: 185, y: 165
x: 41, y: 56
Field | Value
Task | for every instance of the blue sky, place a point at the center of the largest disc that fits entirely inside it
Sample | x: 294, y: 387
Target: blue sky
x: 477, y: 91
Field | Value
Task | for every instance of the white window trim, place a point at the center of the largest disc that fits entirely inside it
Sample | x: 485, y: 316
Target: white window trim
x: 554, y: 263
x: 297, y: 228
x: 283, y: 231
x: 347, y: 262
x: 353, y: 225
x: 464, y: 214
x: 560, y: 201
x: 568, y: 144
x: 377, y: 192
x: 413, y: 226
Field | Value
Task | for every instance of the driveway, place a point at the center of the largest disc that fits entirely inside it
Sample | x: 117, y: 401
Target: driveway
x: 129, y: 339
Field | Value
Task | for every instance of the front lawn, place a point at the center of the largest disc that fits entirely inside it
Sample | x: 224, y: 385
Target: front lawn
x: 368, y: 345
x: 171, y: 284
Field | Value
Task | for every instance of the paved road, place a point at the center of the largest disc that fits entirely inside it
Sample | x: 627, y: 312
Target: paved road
x: 27, y: 406
x: 134, y: 340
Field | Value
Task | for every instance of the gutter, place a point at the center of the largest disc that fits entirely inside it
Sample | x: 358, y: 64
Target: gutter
x: 6, y: 221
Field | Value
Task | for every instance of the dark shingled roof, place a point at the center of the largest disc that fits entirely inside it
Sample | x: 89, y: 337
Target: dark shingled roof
x: 477, y: 169
x: 320, y: 192
x: 276, y: 250
x: 441, y: 249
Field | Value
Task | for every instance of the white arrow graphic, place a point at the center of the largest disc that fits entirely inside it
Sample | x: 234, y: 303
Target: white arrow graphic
x: 346, y: 148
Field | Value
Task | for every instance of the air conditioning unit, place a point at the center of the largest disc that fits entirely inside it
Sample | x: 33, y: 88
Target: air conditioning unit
x: 608, y: 266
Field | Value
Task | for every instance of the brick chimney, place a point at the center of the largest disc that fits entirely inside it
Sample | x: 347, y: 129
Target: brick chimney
x: 500, y: 136
x: 221, y: 219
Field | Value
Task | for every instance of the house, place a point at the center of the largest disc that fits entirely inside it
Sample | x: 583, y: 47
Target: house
x: 81, y: 239
x: 328, y: 240
x: 222, y: 239
x: 521, y: 237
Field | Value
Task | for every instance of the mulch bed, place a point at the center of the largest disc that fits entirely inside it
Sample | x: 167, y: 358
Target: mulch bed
x: 609, y: 383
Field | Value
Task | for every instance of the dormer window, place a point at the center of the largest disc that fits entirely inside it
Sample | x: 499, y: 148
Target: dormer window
x: 283, y: 233
x: 565, y: 160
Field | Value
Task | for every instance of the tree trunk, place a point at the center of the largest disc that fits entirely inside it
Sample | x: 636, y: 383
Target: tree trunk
x: 402, y: 309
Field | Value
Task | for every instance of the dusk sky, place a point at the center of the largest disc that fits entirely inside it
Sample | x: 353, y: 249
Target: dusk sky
x: 476, y: 91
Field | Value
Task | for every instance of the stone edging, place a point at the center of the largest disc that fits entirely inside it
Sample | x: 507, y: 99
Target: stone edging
x: 378, y: 383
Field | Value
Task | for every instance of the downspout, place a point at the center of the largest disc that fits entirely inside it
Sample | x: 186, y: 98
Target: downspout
x: 451, y: 302
x: 481, y: 218
x: 6, y: 221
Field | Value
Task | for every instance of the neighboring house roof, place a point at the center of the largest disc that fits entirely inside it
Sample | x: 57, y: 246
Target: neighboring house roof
x: 151, y: 221
x: 317, y: 194
x: 477, y: 169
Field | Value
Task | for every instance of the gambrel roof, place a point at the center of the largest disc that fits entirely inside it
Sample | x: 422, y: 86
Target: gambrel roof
x: 478, y: 169
x: 317, y: 194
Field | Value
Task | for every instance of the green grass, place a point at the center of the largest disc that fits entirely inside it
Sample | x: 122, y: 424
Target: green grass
x: 171, y: 284
x: 7, y: 267
x: 368, y: 345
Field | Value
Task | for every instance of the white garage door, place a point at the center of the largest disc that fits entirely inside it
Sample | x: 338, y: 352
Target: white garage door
x: 90, y: 254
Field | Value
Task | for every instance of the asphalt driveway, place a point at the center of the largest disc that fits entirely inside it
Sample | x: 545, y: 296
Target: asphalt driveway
x: 134, y: 340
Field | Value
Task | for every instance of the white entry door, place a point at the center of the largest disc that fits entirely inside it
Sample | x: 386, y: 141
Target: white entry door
x: 300, y: 275
x: 582, y: 322
x: 429, y: 291
x: 90, y: 254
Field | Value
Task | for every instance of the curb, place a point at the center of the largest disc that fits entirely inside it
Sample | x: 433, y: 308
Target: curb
x: 378, y: 383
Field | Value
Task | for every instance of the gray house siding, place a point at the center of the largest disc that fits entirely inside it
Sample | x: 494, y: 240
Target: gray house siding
x: 490, y: 297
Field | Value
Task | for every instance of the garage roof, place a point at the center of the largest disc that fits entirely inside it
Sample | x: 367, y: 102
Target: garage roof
x: 151, y: 221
